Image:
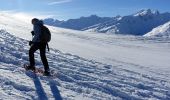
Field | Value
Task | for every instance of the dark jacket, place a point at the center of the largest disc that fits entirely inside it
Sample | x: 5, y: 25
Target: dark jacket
x: 37, y: 31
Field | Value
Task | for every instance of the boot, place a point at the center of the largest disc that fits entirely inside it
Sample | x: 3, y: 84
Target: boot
x: 30, y: 68
x: 46, y: 73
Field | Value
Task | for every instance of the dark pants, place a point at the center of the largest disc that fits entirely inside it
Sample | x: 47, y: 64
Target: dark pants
x: 42, y: 47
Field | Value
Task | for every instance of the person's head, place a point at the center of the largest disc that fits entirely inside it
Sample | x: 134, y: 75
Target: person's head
x: 34, y: 20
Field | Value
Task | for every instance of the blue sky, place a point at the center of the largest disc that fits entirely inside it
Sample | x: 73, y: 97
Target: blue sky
x: 66, y: 9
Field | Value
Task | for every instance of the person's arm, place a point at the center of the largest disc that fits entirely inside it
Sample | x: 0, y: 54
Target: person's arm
x: 37, y: 32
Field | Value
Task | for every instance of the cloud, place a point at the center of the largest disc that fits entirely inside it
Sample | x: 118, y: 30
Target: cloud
x: 59, y: 2
x: 7, y: 11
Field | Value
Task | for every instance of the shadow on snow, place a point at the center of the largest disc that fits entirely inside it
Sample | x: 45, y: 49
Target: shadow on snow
x: 40, y: 91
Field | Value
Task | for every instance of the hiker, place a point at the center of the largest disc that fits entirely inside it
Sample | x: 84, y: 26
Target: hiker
x: 38, y: 43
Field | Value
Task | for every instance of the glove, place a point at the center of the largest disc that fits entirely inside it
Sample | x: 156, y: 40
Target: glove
x: 30, y: 43
x: 32, y: 32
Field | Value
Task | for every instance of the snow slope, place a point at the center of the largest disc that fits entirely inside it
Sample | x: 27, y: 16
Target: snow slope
x: 16, y: 25
x: 90, y: 66
x: 161, y: 31
x: 77, y: 78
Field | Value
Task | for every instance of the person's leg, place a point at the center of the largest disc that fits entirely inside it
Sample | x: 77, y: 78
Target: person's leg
x: 43, y: 57
x: 33, y: 48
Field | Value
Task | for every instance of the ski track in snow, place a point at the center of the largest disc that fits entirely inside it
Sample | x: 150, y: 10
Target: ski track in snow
x: 77, y: 78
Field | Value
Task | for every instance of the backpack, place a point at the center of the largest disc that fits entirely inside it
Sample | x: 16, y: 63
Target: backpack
x: 45, y: 36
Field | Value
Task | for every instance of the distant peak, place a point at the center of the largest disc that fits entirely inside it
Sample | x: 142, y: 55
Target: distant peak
x: 145, y: 12
x: 94, y: 16
x: 91, y: 16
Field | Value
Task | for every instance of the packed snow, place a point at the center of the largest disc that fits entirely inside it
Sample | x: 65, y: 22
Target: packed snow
x: 89, y: 66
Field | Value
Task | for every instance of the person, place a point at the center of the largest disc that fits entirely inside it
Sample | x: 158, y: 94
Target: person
x: 37, y: 44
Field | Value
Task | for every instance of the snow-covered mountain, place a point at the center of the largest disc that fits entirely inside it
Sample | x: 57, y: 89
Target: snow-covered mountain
x: 77, y: 24
x: 136, y: 24
x: 139, y: 23
x: 160, y: 31
x: 89, y: 66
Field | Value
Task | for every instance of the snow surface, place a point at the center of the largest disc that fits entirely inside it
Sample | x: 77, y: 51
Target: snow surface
x: 90, y: 66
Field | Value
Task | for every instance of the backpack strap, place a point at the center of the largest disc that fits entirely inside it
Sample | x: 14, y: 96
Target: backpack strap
x: 48, y: 47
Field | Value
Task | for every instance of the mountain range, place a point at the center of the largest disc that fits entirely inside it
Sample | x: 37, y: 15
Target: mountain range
x: 138, y: 23
x: 77, y: 24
